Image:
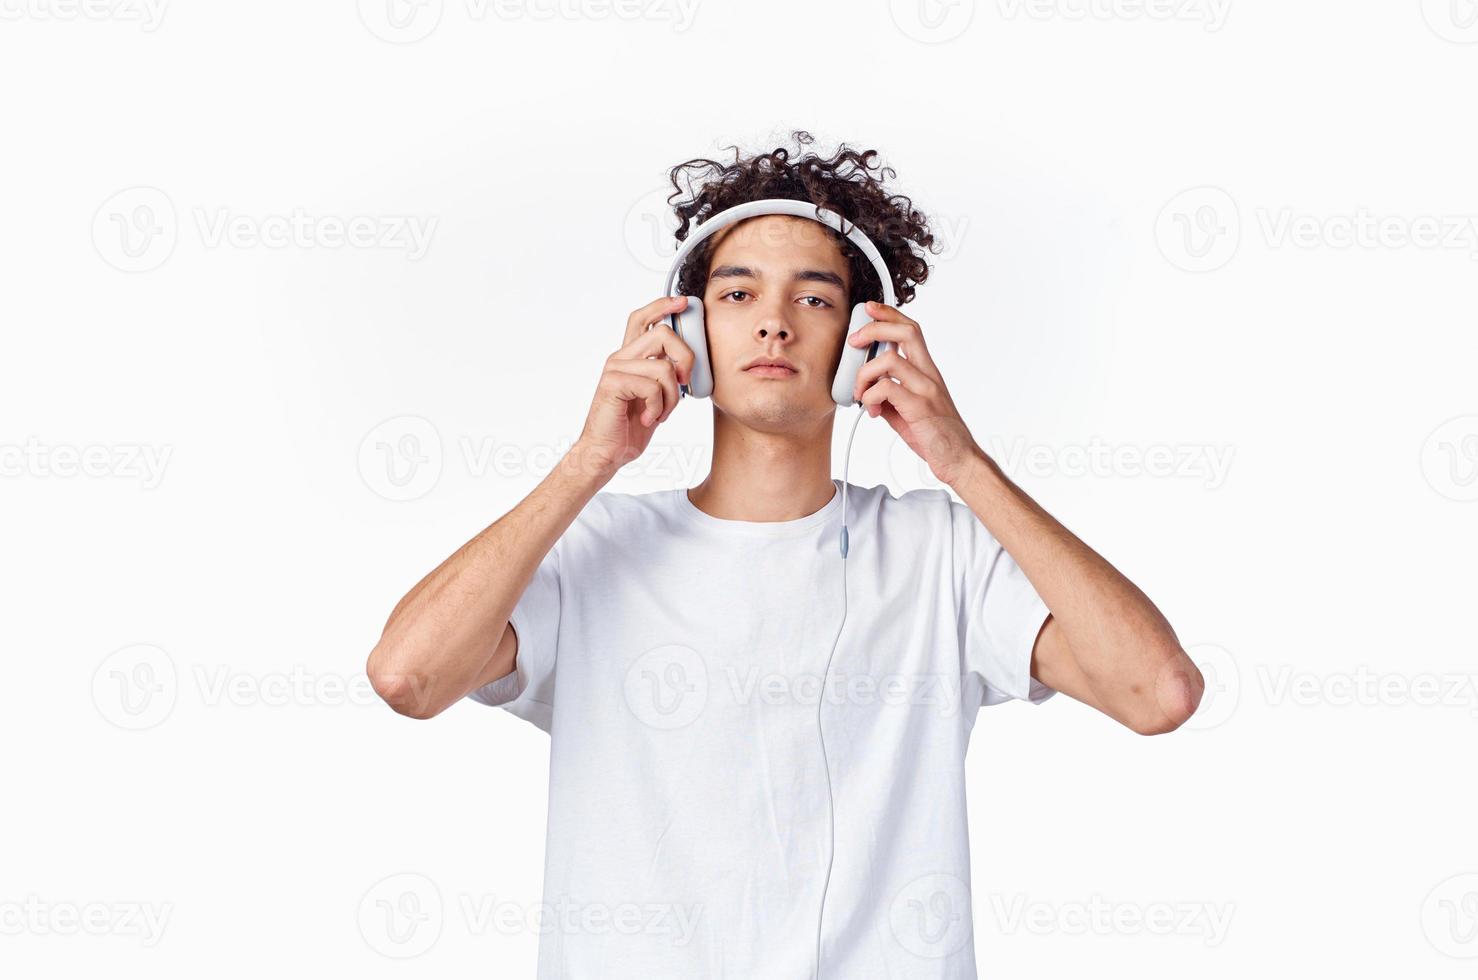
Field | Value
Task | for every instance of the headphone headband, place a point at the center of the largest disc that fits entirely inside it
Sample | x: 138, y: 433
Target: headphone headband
x: 798, y: 209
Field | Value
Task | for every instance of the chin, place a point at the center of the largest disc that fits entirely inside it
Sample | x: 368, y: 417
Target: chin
x: 776, y: 410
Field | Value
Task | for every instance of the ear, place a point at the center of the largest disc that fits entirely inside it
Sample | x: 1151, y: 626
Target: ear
x: 688, y: 324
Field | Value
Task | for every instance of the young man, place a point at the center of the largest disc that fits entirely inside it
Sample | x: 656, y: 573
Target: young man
x: 757, y: 755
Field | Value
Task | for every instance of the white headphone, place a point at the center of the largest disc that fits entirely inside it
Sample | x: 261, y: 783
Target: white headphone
x: 688, y: 323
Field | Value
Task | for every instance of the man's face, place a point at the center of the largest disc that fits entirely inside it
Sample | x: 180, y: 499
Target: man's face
x: 777, y: 291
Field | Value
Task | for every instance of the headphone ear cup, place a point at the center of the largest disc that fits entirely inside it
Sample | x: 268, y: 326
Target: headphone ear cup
x: 688, y: 324
x: 852, y: 360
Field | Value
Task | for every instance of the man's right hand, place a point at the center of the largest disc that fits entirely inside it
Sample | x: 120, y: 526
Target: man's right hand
x: 637, y: 390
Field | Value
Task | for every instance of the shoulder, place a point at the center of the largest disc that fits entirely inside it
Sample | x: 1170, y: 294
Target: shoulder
x: 921, y: 506
x: 612, y: 513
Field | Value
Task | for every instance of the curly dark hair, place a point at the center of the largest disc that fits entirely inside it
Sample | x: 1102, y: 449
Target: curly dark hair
x: 849, y: 183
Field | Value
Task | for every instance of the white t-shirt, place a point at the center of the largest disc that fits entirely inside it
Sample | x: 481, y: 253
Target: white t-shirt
x: 676, y: 660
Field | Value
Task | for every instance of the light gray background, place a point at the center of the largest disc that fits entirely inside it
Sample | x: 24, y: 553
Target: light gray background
x: 1207, y: 291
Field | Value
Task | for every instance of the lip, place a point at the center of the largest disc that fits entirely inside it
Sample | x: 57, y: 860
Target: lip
x: 771, y: 367
x: 770, y: 371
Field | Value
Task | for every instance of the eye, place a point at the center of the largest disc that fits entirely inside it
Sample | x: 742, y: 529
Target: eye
x: 821, y: 304
x: 734, y: 292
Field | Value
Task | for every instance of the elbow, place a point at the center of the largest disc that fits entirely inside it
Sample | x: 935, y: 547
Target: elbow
x: 406, y: 693
x: 1178, y: 688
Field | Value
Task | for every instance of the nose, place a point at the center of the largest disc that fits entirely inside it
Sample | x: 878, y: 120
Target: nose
x: 772, y: 324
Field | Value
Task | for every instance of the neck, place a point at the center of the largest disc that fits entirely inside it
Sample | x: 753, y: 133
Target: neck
x: 766, y: 476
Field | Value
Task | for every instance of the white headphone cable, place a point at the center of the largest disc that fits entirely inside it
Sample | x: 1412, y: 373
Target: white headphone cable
x: 821, y: 700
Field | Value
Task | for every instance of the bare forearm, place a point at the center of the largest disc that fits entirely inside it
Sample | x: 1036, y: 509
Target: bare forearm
x: 442, y: 636
x: 1121, y: 654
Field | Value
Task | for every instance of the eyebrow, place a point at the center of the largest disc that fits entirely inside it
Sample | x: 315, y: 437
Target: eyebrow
x: 804, y: 275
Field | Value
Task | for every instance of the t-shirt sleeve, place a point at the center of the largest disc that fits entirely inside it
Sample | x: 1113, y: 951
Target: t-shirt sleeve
x: 999, y: 614
x: 528, y: 691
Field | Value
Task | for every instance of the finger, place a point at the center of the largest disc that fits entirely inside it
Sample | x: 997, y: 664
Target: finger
x: 882, y: 311
x: 890, y: 391
x: 629, y: 388
x: 908, y: 336
x: 893, y: 365
x: 661, y: 342
x: 662, y: 372
x: 653, y: 312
